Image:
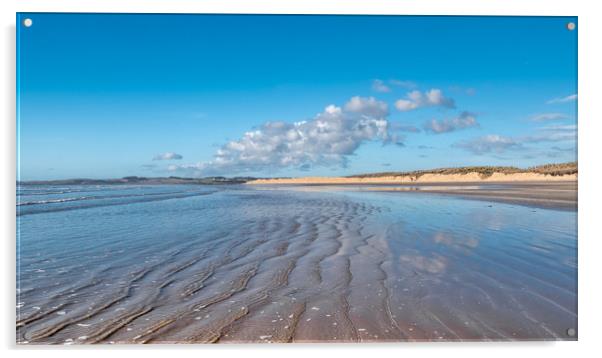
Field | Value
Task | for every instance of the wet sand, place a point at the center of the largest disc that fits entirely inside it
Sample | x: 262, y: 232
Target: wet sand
x: 557, y: 195
x: 302, y: 264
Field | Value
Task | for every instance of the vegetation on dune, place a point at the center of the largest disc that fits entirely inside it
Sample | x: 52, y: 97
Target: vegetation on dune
x: 556, y: 169
x: 484, y: 171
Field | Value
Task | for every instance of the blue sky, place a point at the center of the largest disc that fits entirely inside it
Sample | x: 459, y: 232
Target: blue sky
x: 192, y: 95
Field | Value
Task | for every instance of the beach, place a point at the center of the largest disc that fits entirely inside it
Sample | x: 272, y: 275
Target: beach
x: 251, y: 177
x: 296, y: 263
x: 427, y: 178
x: 557, y: 194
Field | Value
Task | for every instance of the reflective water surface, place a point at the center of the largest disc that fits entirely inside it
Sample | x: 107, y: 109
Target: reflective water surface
x: 158, y: 264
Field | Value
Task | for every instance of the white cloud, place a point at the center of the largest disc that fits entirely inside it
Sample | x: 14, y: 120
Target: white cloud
x: 402, y: 127
x: 489, y: 144
x: 380, y: 86
x: 404, y: 84
x: 387, y: 86
x: 168, y: 156
x: 555, y: 133
x: 369, y: 106
x: 464, y: 120
x: 328, y: 139
x: 499, y: 144
x: 417, y: 99
x: 548, y: 117
x: 566, y: 99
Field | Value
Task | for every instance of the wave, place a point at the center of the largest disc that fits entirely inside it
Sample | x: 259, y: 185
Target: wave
x: 99, y: 197
x: 52, y: 201
x: 39, y: 191
x: 43, y: 207
x: 56, y: 192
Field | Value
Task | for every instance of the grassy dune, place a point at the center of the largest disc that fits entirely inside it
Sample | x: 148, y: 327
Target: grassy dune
x: 547, y: 172
x: 485, y: 171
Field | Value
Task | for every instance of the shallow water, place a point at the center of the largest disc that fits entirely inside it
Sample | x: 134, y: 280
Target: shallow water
x: 158, y: 264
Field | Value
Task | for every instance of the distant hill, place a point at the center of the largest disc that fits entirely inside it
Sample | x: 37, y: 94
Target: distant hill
x: 142, y: 181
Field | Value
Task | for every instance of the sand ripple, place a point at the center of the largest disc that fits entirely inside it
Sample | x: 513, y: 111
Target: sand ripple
x: 320, y: 268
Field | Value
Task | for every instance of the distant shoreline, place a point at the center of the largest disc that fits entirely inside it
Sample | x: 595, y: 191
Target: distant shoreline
x: 140, y: 181
x: 471, y: 177
x: 542, y: 173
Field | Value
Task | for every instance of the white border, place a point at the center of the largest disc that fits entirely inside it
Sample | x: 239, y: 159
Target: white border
x: 406, y: 7
x: 590, y: 129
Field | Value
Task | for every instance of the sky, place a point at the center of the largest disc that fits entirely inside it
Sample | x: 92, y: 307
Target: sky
x: 113, y: 95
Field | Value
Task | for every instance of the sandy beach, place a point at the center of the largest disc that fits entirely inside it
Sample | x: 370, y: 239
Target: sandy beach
x: 472, y: 177
x: 297, y: 263
x: 555, y: 194
x: 262, y: 178
x: 539, y: 190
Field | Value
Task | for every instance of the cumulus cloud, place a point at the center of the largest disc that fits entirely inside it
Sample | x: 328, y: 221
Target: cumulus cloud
x: 548, y: 117
x: 168, y: 156
x: 566, y: 99
x: 464, y: 120
x: 368, y: 106
x: 417, y: 99
x: 380, y: 86
x: 328, y: 139
x: 489, y: 144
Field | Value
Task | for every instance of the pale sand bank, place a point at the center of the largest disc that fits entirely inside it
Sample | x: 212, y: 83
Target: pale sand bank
x: 554, y: 192
x: 551, y: 194
x: 424, y: 178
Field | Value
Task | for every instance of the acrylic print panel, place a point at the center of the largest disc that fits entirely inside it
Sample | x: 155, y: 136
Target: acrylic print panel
x: 249, y: 178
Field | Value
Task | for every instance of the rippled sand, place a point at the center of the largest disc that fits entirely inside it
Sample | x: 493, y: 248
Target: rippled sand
x: 250, y: 265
